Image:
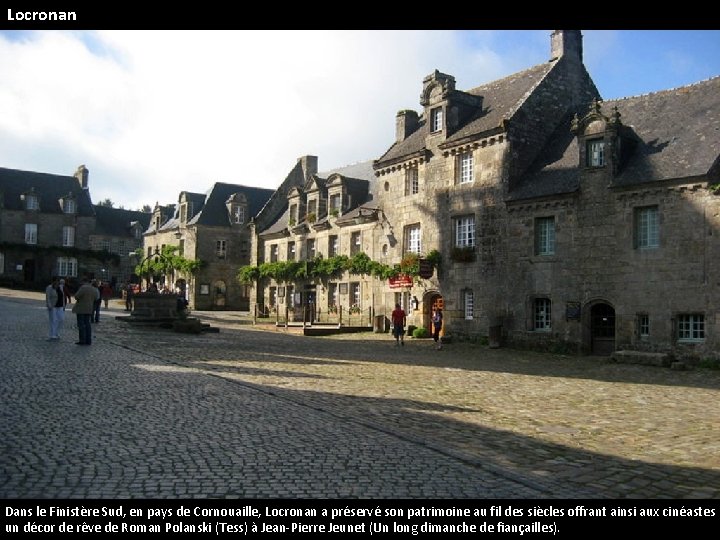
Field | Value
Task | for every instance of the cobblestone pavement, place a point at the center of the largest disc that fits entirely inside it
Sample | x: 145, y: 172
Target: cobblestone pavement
x: 256, y: 412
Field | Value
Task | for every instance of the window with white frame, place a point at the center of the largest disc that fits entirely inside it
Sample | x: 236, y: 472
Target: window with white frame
x: 333, y: 245
x: 691, y: 327
x: 238, y: 214
x: 596, y: 153
x: 542, y: 314
x: 412, y: 186
x: 413, y: 240
x: 643, y: 325
x: 67, y: 266
x: 221, y: 248
x: 68, y: 236
x: 436, y: 119
x: 31, y: 233
x: 647, y: 228
x: 69, y: 206
x: 465, y: 167
x: 31, y: 202
x: 274, y: 252
x: 545, y: 236
x: 468, y: 304
x: 465, y: 231
x: 310, y: 251
x: 355, y: 243
x: 291, y: 251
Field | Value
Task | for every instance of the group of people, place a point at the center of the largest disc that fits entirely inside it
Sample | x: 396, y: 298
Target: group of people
x: 88, y: 300
x: 399, y: 318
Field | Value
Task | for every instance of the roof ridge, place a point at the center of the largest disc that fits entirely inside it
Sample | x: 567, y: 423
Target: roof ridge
x: 536, y: 66
x: 665, y: 90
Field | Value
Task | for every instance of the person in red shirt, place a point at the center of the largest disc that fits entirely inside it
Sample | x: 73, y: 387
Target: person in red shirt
x: 398, y: 322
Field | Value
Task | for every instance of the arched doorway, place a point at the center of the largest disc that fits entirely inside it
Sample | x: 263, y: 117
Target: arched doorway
x: 602, y: 329
x: 432, y: 300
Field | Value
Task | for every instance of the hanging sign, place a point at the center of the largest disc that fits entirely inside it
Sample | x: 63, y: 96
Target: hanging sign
x: 400, y: 281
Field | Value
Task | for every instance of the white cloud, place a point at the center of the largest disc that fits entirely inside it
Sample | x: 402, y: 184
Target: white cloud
x: 153, y: 113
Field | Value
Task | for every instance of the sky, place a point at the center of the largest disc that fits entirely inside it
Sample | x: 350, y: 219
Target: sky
x: 153, y: 113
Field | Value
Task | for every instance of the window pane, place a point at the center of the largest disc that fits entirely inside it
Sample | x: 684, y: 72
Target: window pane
x: 465, y: 167
x: 469, y: 305
x: 542, y: 314
x: 545, y: 236
x: 465, y: 231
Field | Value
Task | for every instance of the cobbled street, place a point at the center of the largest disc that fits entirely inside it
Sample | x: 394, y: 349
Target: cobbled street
x: 259, y: 412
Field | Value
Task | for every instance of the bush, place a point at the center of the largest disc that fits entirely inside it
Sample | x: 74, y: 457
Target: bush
x: 709, y: 363
x: 420, y: 333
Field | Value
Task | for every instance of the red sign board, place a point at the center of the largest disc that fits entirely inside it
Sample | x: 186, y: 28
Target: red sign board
x: 400, y: 281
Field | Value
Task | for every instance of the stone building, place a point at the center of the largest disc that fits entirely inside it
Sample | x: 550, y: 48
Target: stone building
x: 213, y: 228
x: 120, y: 232
x: 45, y: 226
x: 318, y: 215
x: 49, y: 226
x: 563, y: 222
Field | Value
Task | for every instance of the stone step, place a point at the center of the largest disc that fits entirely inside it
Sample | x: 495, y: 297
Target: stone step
x: 641, y: 357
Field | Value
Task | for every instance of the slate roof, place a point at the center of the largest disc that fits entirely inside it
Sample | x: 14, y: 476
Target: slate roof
x: 676, y: 134
x: 214, y: 211
x: 358, y: 178
x: 48, y: 187
x: 501, y: 98
x: 116, y: 221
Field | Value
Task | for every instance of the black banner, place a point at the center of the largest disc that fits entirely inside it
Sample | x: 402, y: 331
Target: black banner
x: 563, y: 518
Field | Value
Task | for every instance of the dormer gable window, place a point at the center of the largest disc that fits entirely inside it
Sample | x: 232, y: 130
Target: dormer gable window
x: 599, y: 138
x: 237, y: 208
x: 31, y: 201
x: 436, y: 119
x: 239, y: 215
x: 68, y: 204
x: 186, y: 211
x: 595, y: 153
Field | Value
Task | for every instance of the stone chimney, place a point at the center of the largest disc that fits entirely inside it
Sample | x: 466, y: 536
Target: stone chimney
x: 567, y: 43
x: 82, y: 176
x: 406, y: 122
x: 309, y: 165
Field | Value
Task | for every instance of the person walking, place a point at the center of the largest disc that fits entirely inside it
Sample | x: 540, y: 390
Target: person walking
x: 85, y: 299
x: 96, y: 306
x: 398, y: 318
x: 129, y: 293
x: 55, y: 302
x: 437, y: 322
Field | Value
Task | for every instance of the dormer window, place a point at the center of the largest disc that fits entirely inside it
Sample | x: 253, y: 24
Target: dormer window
x: 31, y: 202
x: 69, y: 206
x: 237, y: 207
x: 335, y: 203
x: 186, y: 211
x: 436, y: 119
x: 239, y: 215
x: 293, y: 214
x: 596, y: 153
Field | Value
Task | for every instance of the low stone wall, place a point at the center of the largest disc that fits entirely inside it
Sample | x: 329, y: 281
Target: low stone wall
x: 154, y: 306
